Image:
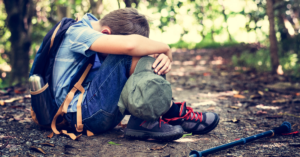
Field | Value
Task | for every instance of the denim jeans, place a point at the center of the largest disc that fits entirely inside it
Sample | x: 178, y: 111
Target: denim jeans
x: 100, y: 110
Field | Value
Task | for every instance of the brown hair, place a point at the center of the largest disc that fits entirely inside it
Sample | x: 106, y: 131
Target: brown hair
x: 126, y: 21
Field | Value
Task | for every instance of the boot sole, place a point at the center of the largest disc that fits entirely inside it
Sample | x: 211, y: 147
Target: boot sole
x: 210, y: 129
x: 163, y: 136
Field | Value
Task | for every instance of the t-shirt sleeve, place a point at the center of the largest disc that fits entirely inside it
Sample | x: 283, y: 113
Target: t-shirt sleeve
x: 81, y: 37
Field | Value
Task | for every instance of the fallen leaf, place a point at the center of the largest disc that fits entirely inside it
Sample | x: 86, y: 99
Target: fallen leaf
x: 27, y: 96
x: 279, y: 101
x: 234, y: 107
x: 255, y: 96
x: 113, y: 143
x: 204, y: 103
x: 20, y: 90
x: 3, y: 102
x: 190, y: 134
x: 37, y: 149
x: 239, y: 96
x: 261, y: 93
x: 26, y: 120
x: 18, y: 116
x: 206, y: 74
x: 158, y: 147
x: 19, y: 106
x: 3, y: 92
x: 211, y: 108
x: 47, y: 144
x: 190, y: 139
x: 261, y: 112
x: 234, y: 120
x: 31, y: 155
x: 50, y: 135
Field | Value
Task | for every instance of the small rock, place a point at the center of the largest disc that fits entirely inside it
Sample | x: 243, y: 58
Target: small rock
x: 28, y: 143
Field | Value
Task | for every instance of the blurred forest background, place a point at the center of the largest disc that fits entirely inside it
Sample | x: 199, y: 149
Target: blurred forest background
x: 272, y: 25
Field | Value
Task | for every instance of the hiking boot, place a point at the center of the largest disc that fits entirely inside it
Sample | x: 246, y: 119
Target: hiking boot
x: 159, y: 130
x: 195, y: 122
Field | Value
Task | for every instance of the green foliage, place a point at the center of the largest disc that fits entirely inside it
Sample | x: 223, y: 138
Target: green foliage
x: 203, y: 44
x: 261, y: 61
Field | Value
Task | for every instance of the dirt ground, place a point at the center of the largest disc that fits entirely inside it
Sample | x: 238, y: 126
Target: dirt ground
x: 247, y: 102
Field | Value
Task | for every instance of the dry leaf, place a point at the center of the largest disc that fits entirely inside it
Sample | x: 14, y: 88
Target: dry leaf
x: 19, y: 106
x: 31, y: 155
x: 211, y: 108
x: 159, y: 147
x: 255, y: 96
x: 261, y: 112
x: 190, y: 139
x: 234, y: 107
x: 239, y: 96
x: 261, y: 93
x: 234, y: 120
x: 279, y: 101
x: 3, y: 102
x: 27, y: 96
x: 20, y: 90
x: 47, y: 144
x: 50, y: 135
x: 37, y: 149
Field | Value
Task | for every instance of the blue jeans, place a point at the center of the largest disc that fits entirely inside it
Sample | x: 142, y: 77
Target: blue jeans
x: 100, y: 110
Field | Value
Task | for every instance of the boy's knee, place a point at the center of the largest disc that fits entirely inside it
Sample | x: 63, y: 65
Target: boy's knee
x: 133, y: 64
x: 145, y: 95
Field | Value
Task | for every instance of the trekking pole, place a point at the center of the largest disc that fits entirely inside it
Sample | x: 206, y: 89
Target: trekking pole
x: 284, y: 128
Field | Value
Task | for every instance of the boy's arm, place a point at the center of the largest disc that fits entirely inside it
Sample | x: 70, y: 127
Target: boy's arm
x: 133, y: 45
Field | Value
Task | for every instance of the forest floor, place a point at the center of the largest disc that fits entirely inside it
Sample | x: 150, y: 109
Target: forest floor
x: 247, y: 102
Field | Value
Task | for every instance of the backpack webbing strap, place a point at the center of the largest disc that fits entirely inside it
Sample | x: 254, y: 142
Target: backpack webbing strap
x: 64, y: 106
x: 53, y: 36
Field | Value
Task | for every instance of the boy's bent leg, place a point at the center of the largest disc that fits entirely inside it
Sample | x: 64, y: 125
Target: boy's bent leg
x: 99, y: 108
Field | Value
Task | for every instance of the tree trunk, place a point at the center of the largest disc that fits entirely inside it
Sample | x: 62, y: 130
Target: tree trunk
x: 19, y: 14
x: 272, y: 37
x: 96, y: 7
x: 129, y: 2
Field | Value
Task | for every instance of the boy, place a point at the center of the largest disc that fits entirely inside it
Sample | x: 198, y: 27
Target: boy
x: 119, y: 40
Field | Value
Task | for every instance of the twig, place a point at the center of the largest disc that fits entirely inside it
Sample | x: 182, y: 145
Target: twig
x: 2, y: 147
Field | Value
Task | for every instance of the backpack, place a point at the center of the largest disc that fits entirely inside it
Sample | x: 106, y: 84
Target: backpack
x: 43, y: 66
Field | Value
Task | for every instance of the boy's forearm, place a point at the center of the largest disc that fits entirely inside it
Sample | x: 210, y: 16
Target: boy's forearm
x: 143, y: 46
x: 133, y: 45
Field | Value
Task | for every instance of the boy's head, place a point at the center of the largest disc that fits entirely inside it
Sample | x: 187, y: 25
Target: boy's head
x: 126, y: 21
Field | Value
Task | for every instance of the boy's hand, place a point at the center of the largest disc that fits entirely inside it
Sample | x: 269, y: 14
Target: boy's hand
x: 162, y: 64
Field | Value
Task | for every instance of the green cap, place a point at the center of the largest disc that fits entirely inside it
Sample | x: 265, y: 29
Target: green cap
x: 146, y: 95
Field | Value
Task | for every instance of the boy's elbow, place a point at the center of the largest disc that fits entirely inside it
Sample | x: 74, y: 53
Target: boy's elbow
x: 131, y: 45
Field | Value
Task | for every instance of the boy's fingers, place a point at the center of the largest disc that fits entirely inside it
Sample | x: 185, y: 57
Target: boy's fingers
x: 164, y: 68
x: 169, y: 69
x: 157, y: 60
x: 161, y: 64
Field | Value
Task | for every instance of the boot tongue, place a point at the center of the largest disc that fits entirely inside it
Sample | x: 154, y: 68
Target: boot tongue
x: 183, y: 111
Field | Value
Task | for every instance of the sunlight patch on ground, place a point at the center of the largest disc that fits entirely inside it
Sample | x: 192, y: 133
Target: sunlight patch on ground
x: 261, y: 106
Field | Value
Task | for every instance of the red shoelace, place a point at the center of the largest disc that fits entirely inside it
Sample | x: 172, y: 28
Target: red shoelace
x: 189, y: 115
